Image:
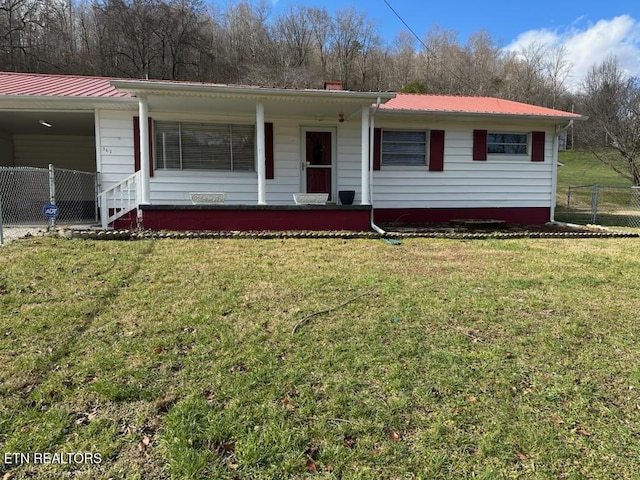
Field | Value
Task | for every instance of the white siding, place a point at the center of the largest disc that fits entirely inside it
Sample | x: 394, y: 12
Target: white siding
x: 464, y: 183
x: 63, y: 151
x: 115, y: 148
x: 6, y: 150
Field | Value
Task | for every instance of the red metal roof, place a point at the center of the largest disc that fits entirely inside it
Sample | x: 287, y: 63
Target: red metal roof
x: 44, y: 85
x: 473, y: 105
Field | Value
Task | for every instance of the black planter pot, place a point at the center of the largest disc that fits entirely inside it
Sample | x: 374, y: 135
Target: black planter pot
x: 346, y: 196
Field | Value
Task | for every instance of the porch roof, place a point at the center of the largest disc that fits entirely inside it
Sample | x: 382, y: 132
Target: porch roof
x: 241, y: 99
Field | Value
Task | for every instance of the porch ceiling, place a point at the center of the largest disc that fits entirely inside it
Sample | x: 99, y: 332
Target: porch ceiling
x: 62, y: 123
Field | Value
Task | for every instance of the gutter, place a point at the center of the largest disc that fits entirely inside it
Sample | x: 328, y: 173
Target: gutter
x: 158, y: 87
x: 371, y: 140
x: 554, y: 174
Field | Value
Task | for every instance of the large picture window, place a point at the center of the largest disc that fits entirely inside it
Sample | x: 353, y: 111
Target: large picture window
x: 201, y: 146
x: 507, y: 143
x: 404, y: 147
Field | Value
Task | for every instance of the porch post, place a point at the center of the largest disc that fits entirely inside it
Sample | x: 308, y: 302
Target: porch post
x: 364, y: 168
x: 262, y: 175
x: 143, y: 119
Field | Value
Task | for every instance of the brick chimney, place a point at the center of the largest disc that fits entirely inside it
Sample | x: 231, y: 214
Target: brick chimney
x: 333, y: 85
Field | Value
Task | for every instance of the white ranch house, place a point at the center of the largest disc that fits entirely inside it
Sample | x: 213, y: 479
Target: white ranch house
x: 184, y: 155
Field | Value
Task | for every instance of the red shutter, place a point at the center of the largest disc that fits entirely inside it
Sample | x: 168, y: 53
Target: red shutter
x: 268, y: 145
x: 436, y: 151
x: 136, y: 145
x: 537, y: 146
x: 377, y: 148
x: 479, y: 144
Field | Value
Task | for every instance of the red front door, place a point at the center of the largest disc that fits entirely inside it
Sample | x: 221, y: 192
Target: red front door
x: 318, y: 162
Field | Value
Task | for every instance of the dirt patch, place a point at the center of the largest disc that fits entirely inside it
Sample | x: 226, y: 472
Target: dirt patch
x: 491, y: 226
x: 13, y: 233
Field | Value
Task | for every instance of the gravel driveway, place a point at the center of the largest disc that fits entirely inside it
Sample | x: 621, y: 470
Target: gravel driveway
x: 11, y: 233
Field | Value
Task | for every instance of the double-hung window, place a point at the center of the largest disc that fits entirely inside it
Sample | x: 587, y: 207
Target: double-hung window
x: 507, y: 143
x: 204, y: 146
x: 404, y: 147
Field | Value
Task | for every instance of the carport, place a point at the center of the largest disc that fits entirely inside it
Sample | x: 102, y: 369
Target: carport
x: 39, y: 138
x: 51, y: 120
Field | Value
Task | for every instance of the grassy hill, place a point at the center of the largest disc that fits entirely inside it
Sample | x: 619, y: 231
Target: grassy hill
x: 583, y: 168
x: 615, y: 205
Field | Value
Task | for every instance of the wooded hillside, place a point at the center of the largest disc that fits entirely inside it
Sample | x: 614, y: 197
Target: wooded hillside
x: 245, y: 42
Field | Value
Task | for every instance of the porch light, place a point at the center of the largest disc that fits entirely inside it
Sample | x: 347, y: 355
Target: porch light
x: 45, y: 124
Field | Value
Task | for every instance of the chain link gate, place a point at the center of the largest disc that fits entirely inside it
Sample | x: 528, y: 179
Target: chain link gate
x: 603, y: 205
x: 24, y: 191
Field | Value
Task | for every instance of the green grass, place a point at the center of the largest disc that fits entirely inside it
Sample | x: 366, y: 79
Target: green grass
x: 616, y: 206
x: 176, y: 359
x: 583, y: 168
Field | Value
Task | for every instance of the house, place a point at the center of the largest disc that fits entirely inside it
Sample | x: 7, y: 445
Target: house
x: 186, y: 155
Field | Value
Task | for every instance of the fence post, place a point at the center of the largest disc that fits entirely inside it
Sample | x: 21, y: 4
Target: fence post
x: 1, y: 233
x: 52, y: 194
x: 594, y: 203
x: 97, y: 196
x: 568, y: 204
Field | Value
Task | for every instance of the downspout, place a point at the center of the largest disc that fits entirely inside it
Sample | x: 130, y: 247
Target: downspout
x: 371, y: 140
x: 554, y: 173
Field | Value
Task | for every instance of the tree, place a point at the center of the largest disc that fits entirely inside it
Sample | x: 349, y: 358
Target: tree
x: 20, y: 33
x: 350, y: 32
x: 404, y: 60
x: 611, y: 99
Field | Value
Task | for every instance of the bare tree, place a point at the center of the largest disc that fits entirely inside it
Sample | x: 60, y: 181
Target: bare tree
x: 350, y: 31
x: 480, y: 63
x: 557, y: 68
x: 404, y: 60
x: 180, y: 24
x: 439, y: 62
x: 321, y: 28
x: 247, y: 39
x: 611, y: 99
x: 20, y: 33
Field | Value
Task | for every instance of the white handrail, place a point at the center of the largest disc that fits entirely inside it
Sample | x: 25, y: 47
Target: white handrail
x: 120, y: 199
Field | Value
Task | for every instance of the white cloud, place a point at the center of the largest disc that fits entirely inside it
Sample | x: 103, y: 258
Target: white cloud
x: 589, y: 44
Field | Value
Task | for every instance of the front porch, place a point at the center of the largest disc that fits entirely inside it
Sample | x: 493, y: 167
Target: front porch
x: 355, y: 218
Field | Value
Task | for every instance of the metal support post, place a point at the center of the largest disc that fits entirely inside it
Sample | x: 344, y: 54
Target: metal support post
x: 52, y: 194
x: 1, y: 233
x: 594, y: 204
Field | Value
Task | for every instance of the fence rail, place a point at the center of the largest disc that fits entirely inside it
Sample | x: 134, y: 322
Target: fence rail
x: 603, y: 205
x: 24, y: 191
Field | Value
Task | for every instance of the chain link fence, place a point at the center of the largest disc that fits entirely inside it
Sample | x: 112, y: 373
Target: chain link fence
x: 24, y: 191
x: 602, y: 205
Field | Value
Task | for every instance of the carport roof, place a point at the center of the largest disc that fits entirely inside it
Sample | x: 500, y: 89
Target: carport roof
x: 45, y: 85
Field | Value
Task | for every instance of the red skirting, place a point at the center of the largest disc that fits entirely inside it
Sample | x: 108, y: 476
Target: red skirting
x: 318, y: 218
x: 422, y: 216
x: 256, y: 218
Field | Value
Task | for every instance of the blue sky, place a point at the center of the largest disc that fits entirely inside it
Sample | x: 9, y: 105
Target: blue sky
x: 588, y: 29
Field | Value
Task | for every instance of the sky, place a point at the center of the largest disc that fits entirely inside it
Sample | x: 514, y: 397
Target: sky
x: 590, y: 30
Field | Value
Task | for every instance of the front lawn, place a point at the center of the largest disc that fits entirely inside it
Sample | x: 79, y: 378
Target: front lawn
x: 443, y: 359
